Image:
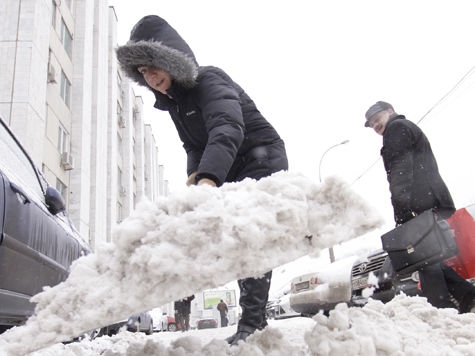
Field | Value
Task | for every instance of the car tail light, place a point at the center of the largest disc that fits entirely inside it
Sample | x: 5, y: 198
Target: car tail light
x: 314, y: 280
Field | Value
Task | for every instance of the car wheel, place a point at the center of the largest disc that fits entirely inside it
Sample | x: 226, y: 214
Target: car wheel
x: 172, y: 327
x: 150, y: 329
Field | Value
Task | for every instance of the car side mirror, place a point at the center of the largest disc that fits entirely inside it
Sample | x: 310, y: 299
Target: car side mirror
x: 54, y: 201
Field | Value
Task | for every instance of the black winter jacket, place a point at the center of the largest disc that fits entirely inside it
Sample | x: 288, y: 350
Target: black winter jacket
x: 225, y: 137
x: 412, y: 172
x: 223, y: 133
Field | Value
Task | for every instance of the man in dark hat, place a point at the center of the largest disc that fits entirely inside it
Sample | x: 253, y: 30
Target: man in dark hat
x: 225, y: 137
x: 416, y: 186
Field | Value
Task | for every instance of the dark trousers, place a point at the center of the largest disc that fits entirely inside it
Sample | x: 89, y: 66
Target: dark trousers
x: 183, y: 320
x: 224, y: 319
x: 253, y: 301
x: 439, y: 282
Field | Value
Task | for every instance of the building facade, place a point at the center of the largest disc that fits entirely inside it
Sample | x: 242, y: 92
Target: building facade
x: 64, y: 96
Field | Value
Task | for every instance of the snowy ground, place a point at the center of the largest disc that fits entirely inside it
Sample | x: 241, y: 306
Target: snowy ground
x: 405, y: 326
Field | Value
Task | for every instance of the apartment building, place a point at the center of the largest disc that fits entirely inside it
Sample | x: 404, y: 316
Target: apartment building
x: 64, y: 96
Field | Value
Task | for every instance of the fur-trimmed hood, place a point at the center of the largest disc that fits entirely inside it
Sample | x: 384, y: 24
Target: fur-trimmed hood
x: 153, y: 42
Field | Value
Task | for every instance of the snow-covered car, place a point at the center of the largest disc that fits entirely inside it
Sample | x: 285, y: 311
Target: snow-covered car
x: 280, y: 308
x: 38, y: 242
x: 206, y: 323
x: 374, y: 277
x: 142, y: 322
x: 322, y: 290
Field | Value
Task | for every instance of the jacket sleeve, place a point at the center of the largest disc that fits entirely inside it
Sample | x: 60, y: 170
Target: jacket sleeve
x: 398, y: 152
x: 193, y: 158
x: 220, y: 106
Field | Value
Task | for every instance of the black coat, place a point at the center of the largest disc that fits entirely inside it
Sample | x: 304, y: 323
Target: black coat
x: 412, y: 172
x: 224, y: 135
x: 183, y: 306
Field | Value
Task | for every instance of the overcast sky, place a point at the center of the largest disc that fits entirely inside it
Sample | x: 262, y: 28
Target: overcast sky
x: 314, y: 67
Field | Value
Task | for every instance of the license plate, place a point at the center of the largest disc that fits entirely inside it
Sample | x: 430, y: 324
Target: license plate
x: 360, y: 283
x: 301, y: 286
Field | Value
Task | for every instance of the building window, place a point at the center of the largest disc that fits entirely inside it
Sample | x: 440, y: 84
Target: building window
x: 65, y: 89
x: 119, y: 179
x: 62, y: 189
x: 66, y: 39
x: 119, y: 85
x: 53, y: 14
x: 120, y: 116
x: 119, y: 145
x: 63, y: 139
x: 119, y: 213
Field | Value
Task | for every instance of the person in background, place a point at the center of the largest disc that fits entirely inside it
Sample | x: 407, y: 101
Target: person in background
x: 183, y: 311
x: 223, y: 313
x: 416, y: 186
x: 225, y: 137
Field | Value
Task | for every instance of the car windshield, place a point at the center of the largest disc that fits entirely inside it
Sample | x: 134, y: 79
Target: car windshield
x: 16, y: 166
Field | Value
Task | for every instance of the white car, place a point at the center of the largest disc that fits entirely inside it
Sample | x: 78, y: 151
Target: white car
x: 323, y: 290
x: 160, y: 320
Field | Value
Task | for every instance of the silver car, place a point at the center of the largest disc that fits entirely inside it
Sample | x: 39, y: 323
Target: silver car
x: 142, y: 322
x: 38, y: 242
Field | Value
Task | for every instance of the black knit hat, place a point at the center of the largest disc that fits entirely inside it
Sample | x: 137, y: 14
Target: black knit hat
x: 153, y: 42
x: 374, y: 109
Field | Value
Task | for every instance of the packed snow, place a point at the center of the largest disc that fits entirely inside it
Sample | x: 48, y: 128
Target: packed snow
x: 404, y: 326
x: 200, y: 238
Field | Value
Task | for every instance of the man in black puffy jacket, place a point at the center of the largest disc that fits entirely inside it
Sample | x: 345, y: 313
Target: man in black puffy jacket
x: 224, y: 135
x: 416, y: 185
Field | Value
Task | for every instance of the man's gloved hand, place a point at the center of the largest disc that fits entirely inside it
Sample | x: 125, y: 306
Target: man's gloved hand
x: 191, y: 179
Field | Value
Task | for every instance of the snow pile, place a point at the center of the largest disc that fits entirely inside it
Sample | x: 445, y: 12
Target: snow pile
x: 404, y: 326
x: 201, y: 238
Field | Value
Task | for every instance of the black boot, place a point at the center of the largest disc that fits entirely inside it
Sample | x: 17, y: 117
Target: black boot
x: 467, y: 304
x: 253, y: 301
x: 242, y: 333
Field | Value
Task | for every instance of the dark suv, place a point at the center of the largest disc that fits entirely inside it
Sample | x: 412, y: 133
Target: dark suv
x: 377, y: 274
x: 38, y: 242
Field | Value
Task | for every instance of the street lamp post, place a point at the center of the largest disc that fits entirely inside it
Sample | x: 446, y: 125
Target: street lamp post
x: 330, y: 250
x: 323, y: 155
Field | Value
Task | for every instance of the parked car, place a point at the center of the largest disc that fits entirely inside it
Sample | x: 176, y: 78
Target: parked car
x: 322, y: 290
x: 173, y: 325
x: 281, y: 307
x: 110, y: 330
x: 374, y: 277
x: 142, y: 322
x: 160, y: 320
x: 206, y: 323
x: 38, y: 242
